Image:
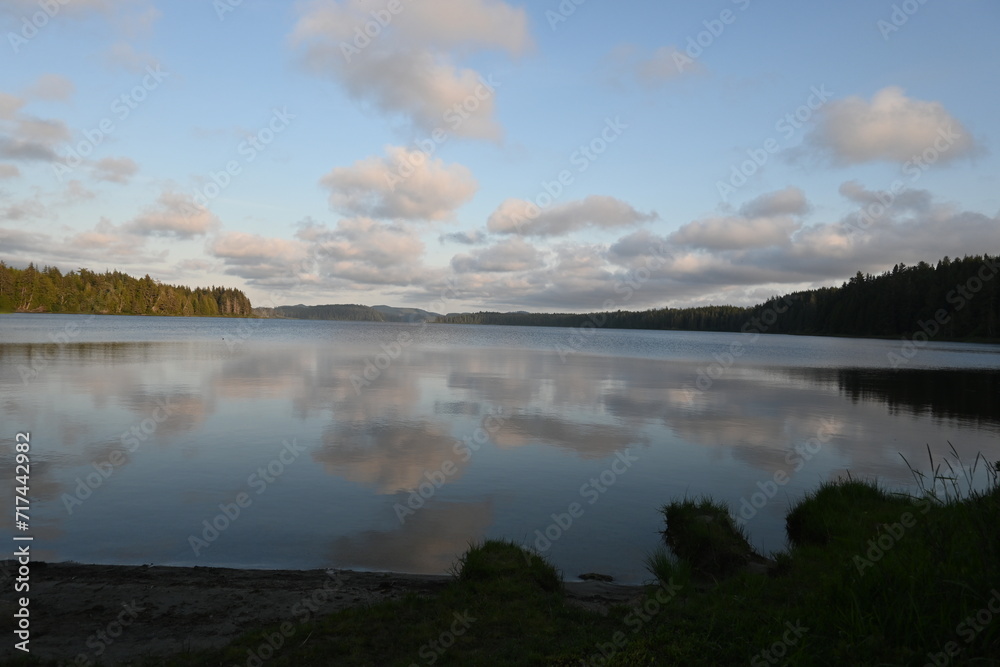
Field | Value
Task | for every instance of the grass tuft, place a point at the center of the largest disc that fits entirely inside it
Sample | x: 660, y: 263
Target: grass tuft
x: 498, y: 561
x: 704, y: 534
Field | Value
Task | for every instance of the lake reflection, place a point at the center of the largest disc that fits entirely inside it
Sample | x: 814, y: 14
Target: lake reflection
x: 469, y: 433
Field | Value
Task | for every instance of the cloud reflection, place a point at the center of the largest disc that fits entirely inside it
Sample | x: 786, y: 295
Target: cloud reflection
x: 428, y: 543
x: 389, y: 456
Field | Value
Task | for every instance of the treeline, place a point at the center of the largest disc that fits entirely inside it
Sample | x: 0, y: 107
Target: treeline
x: 347, y: 313
x: 342, y: 312
x: 705, y: 318
x: 955, y: 299
x: 48, y: 290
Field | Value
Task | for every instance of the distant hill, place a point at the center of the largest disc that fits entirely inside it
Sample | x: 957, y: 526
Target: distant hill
x: 347, y: 313
x: 342, y: 312
x: 392, y: 314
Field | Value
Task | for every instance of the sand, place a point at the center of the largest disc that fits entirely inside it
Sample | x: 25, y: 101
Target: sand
x: 118, y: 613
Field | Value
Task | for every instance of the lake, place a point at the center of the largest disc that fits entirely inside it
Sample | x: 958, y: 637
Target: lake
x: 301, y: 444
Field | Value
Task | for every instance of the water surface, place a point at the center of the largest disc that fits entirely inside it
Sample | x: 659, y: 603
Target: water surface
x: 393, y: 446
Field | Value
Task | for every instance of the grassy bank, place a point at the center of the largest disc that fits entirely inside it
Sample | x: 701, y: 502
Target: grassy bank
x: 870, y: 577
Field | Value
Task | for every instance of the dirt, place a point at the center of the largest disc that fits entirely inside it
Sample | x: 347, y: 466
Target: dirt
x: 116, y: 614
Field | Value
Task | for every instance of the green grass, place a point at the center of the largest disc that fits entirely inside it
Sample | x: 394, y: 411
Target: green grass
x: 879, y: 578
x: 703, y: 534
x: 870, y: 577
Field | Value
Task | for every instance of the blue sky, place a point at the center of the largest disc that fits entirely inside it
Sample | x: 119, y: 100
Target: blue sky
x: 873, y: 126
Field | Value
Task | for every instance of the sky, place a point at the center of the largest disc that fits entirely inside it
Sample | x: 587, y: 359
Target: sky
x: 457, y: 155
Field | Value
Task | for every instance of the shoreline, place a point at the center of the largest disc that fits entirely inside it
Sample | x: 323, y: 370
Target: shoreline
x: 974, y: 340
x: 158, y: 611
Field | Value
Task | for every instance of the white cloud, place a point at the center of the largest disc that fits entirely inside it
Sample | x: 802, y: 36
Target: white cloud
x: 438, y: 24
x: 10, y: 105
x: 95, y: 246
x: 407, y: 67
x: 361, y: 252
x: 32, y: 139
x: 790, y: 201
x: 626, y: 62
x: 510, y: 255
x: 892, y: 127
x: 357, y: 254
x: 735, y: 232
x: 124, y: 55
x: 464, y: 238
x: 115, y: 169
x: 517, y: 216
x: 76, y: 192
x: 52, y: 87
x: 666, y: 64
x: 641, y: 243
x: 738, y: 259
x: 174, y: 215
x: 106, y: 237
x: 259, y: 259
x: 26, y: 209
x: 376, y: 187
x: 9, y: 171
x: 909, y: 199
x: 28, y: 138
x: 768, y: 220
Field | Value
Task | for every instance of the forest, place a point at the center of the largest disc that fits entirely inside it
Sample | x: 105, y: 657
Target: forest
x: 956, y: 299
x: 48, y: 290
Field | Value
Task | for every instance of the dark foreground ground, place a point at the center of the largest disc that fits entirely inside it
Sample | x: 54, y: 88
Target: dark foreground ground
x: 115, y: 614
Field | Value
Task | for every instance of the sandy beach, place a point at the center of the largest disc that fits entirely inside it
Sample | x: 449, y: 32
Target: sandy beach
x: 119, y: 613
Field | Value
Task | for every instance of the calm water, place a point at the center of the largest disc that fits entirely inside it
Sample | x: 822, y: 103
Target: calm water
x: 393, y: 446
